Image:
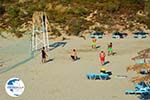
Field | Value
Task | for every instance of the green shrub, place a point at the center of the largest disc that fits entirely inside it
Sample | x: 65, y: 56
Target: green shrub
x: 18, y: 35
x: 98, y: 29
x: 70, y: 11
x: 76, y: 26
x: 36, y: 7
x: 13, y: 11
x: 56, y: 32
x: 60, y: 19
x: 135, y: 1
x: 148, y: 23
x: 81, y: 11
x: 66, y: 1
x: 14, y: 23
x: 2, y: 10
x: 111, y: 6
x: 147, y: 7
x: 87, y: 1
x: 31, y: 10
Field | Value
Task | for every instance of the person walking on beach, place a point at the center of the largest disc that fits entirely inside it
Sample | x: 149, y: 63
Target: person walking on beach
x: 102, y: 57
x: 74, y: 55
x: 110, y: 50
x: 94, y: 43
x: 44, y: 55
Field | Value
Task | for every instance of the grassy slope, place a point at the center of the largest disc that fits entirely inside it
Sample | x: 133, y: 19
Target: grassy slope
x: 65, y: 12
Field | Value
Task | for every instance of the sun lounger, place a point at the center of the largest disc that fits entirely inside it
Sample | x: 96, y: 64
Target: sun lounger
x: 140, y: 85
x: 139, y: 91
x: 91, y: 76
x: 129, y: 92
x: 135, y: 92
x: 144, y: 72
x: 145, y: 91
x: 101, y: 76
x: 141, y: 61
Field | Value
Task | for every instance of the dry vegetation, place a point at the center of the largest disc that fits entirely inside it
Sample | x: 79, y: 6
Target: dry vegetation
x: 14, y: 13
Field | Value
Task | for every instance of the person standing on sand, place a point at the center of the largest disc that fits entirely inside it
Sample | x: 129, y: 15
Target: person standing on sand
x: 74, y: 55
x: 102, y: 57
x: 110, y: 50
x: 44, y: 55
x: 94, y: 43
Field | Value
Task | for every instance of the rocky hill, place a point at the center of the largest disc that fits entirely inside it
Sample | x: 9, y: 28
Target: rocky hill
x: 76, y: 17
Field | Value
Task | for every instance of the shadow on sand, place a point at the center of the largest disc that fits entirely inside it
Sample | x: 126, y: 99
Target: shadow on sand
x: 97, y: 78
x: 57, y: 44
x: 49, y: 60
x: 98, y: 47
x: 3, y: 70
x: 106, y: 62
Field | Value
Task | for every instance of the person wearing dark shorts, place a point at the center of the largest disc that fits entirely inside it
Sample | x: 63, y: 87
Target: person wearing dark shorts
x: 44, y: 55
x: 74, y: 55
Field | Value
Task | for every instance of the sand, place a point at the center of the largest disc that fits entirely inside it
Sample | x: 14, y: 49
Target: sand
x: 63, y: 79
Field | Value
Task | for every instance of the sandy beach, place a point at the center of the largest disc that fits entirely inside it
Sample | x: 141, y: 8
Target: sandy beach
x: 63, y: 79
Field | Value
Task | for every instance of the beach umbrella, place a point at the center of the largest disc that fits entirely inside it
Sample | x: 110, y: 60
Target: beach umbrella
x: 138, y: 79
x: 139, y: 67
x: 138, y: 57
x: 142, y: 56
x: 144, y: 51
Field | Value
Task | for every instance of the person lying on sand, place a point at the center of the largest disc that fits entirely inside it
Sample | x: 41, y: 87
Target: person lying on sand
x: 44, y: 55
x: 74, y: 55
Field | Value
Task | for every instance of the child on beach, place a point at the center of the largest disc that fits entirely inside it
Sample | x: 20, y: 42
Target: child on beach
x: 94, y: 43
x: 44, y: 55
x: 102, y: 57
x: 74, y: 55
x: 110, y: 50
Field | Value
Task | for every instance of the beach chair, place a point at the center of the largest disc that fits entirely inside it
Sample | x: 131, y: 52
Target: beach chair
x: 140, y: 85
x: 104, y: 76
x: 140, y: 90
x: 135, y: 92
x: 130, y: 92
x: 143, y: 91
x: 91, y: 76
x: 101, y: 76
x: 141, y: 61
x: 144, y: 72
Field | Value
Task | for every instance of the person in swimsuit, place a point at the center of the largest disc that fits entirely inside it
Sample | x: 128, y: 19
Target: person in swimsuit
x: 102, y: 57
x: 110, y: 50
x: 44, y: 55
x: 94, y: 43
x: 74, y: 55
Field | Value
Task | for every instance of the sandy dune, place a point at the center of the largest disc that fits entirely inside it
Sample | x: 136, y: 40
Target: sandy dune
x: 62, y: 79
